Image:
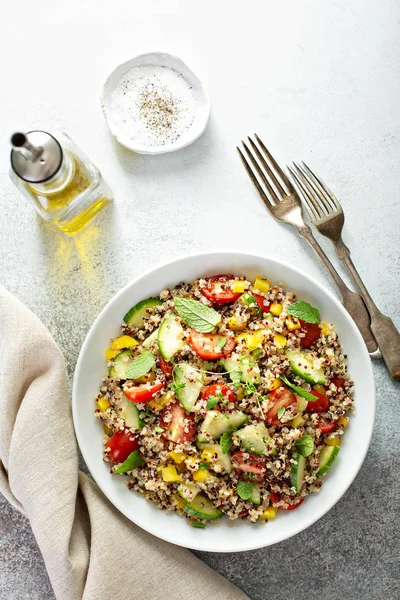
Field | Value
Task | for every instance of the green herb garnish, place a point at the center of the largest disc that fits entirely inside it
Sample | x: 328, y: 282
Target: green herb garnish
x: 244, y: 490
x: 211, y: 402
x: 304, y: 311
x: 225, y: 442
x: 299, y: 390
x: 197, y: 315
x: 281, y: 412
x: 133, y: 461
x: 140, y: 365
x: 204, y: 466
x: 305, y: 445
x: 197, y: 524
x: 158, y: 429
x: 221, y: 341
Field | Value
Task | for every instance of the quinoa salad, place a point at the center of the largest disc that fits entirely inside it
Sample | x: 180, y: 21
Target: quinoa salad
x: 224, y: 397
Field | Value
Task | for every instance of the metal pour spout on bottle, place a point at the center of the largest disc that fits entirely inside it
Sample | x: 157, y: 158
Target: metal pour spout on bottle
x: 62, y: 183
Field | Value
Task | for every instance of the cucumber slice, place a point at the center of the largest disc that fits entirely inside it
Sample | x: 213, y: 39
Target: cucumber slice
x: 202, y: 508
x: 254, y: 438
x: 297, y: 472
x: 136, y: 315
x: 121, y: 361
x: 130, y: 414
x: 192, y: 381
x: 303, y: 366
x: 326, y: 458
x: 170, y: 336
x: 248, y: 367
x: 216, y: 423
x: 151, y: 340
x: 221, y: 464
x: 255, y: 497
x: 187, y: 491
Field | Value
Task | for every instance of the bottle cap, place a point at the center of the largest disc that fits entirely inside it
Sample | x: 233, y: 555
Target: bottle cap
x: 36, y: 156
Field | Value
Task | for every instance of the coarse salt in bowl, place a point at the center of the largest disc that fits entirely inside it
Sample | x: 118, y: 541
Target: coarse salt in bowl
x: 154, y: 103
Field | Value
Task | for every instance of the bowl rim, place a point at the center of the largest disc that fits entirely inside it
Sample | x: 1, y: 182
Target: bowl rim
x: 248, y: 255
x: 172, y: 147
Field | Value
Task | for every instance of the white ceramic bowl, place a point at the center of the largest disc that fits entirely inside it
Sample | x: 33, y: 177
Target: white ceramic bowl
x: 121, y: 132
x: 242, y: 536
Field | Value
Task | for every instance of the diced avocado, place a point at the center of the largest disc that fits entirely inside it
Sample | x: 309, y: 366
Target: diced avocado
x: 326, y: 458
x: 136, y: 315
x: 121, y: 361
x: 216, y: 423
x: 303, y: 365
x: 189, y: 382
x: 187, y: 491
x: 247, y: 367
x: 202, y: 508
x: 222, y: 462
x: 170, y: 336
x: 297, y: 472
x: 254, y: 438
x: 255, y: 497
x: 130, y: 414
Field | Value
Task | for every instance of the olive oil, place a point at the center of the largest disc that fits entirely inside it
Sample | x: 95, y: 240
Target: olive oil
x: 64, y: 186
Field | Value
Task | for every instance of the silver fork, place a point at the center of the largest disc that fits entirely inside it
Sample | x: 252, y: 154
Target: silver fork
x: 283, y: 202
x: 327, y: 215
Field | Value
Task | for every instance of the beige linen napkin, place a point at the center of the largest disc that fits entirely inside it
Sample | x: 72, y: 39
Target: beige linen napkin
x: 91, y: 551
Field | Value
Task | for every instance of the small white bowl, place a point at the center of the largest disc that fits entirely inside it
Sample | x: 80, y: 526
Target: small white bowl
x: 91, y: 368
x: 161, y: 59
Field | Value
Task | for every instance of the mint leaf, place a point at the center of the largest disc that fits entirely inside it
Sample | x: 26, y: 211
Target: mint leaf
x: 197, y: 315
x: 225, y: 442
x: 244, y: 490
x: 281, y: 412
x: 211, y: 402
x: 299, y: 390
x: 236, y: 375
x: 140, y: 365
x: 304, y: 311
x: 305, y: 445
x: 133, y: 461
x: 221, y: 341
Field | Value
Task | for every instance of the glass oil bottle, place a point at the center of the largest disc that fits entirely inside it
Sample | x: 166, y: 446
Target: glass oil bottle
x: 61, y: 182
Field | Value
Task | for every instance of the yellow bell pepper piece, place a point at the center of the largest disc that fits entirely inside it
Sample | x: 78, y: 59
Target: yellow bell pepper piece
x: 325, y: 329
x: 125, y: 341
x: 103, y: 404
x: 333, y: 442
x: 280, y: 340
x: 178, y: 457
x: 170, y: 474
x: 320, y: 388
x: 261, y: 285
x: 252, y: 340
x: 297, y: 422
x: 292, y: 324
x: 238, y: 287
x: 269, y: 514
x: 207, y: 454
x: 201, y: 475
x: 107, y: 429
x: 161, y: 402
x: 276, y: 383
x: 343, y: 422
x: 180, y: 503
x: 276, y: 309
x: 237, y: 324
x: 110, y: 353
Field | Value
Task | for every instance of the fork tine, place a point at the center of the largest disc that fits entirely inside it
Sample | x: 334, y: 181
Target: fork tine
x: 317, y: 192
x: 274, y: 163
x: 324, y: 187
x: 267, y: 168
x: 263, y: 178
x: 314, y: 209
x: 254, y: 178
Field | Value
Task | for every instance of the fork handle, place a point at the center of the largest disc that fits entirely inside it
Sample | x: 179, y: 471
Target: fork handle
x: 351, y: 301
x: 383, y: 328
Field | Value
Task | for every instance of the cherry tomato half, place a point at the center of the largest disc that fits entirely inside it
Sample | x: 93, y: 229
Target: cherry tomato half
x: 339, y: 382
x: 251, y: 466
x: 217, y: 389
x: 206, y: 345
x: 282, y: 398
x: 312, y: 333
x: 166, y: 367
x: 121, y: 444
x: 262, y: 303
x: 275, y: 498
x: 143, y: 393
x: 320, y: 405
x: 218, y: 290
x: 179, y: 426
x: 326, y: 426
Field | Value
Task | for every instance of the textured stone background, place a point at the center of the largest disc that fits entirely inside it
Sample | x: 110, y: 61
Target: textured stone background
x: 319, y: 81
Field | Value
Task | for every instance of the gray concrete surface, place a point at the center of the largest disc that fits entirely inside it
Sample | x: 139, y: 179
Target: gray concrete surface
x: 319, y: 81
